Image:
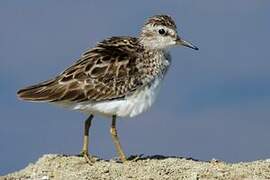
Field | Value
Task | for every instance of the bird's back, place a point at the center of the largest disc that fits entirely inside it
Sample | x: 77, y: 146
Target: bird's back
x: 114, y: 69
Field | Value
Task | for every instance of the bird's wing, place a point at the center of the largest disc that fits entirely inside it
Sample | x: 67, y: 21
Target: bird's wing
x: 111, y: 70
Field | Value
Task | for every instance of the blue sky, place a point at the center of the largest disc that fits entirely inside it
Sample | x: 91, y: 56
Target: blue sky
x: 214, y: 102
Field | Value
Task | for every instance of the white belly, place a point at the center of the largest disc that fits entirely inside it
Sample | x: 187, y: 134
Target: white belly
x: 131, y: 106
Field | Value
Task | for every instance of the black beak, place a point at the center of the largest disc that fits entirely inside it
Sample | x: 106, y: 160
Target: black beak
x: 182, y: 42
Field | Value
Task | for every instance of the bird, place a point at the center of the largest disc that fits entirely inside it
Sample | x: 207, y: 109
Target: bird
x: 119, y: 77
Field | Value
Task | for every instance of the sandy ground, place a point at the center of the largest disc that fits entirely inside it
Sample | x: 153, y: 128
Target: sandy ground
x: 58, y: 167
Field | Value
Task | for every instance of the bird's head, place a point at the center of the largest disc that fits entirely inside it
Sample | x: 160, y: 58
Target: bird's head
x: 160, y: 32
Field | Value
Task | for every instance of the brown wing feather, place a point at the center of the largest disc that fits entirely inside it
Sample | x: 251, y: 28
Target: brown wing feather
x: 44, y: 91
x: 110, y: 70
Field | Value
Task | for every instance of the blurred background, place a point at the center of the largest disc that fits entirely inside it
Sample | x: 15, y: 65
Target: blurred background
x: 215, y: 103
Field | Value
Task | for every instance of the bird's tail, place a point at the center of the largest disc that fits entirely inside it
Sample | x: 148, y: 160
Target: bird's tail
x: 42, y: 92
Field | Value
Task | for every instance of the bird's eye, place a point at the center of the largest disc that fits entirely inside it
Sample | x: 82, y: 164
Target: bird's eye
x: 161, y: 31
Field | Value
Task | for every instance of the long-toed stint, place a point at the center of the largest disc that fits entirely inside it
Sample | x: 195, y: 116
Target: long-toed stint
x: 120, y: 77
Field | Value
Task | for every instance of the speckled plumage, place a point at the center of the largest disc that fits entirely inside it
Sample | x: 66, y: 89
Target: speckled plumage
x: 162, y: 20
x: 115, y: 69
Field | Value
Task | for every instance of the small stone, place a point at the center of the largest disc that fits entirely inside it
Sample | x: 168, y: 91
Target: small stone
x: 45, y: 178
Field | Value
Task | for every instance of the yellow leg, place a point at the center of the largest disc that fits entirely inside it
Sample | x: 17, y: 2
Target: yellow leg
x: 85, y: 153
x: 116, y: 141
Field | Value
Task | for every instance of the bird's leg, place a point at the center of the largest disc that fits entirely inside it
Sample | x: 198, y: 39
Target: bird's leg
x: 85, y: 152
x: 116, y: 141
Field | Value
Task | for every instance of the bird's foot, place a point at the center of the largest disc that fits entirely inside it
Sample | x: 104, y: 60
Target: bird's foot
x: 134, y: 158
x: 89, y: 159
